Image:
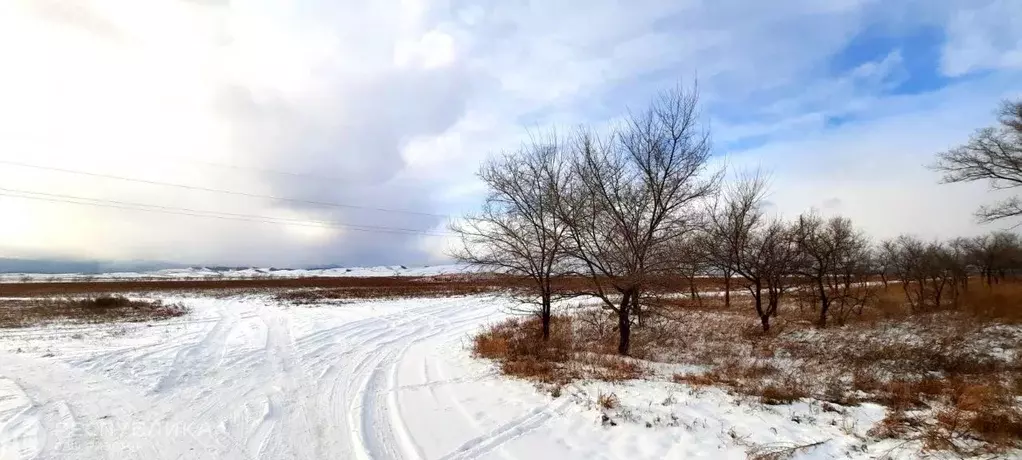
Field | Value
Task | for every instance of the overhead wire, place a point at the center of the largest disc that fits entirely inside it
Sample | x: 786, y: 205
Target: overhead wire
x: 87, y: 201
x: 221, y: 191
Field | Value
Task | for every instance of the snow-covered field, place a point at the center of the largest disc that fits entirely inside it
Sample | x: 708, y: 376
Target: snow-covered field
x: 246, y: 378
x: 240, y: 273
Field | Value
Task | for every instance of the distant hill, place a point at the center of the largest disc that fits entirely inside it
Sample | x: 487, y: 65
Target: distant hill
x: 14, y: 269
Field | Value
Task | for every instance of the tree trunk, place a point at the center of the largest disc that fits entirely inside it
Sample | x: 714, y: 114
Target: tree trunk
x: 824, y: 302
x: 773, y: 302
x: 764, y: 317
x: 694, y: 293
x: 824, y: 311
x: 624, y: 323
x: 546, y: 317
x: 727, y: 289
x: 636, y: 308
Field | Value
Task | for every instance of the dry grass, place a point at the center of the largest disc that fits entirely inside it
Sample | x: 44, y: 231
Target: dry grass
x: 780, y: 451
x: 102, y: 309
x: 951, y: 378
x: 967, y: 419
x: 1001, y: 302
x: 608, y: 401
x: 319, y: 288
x: 782, y: 394
x: 518, y: 347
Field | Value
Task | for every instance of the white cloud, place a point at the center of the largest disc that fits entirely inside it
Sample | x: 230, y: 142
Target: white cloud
x: 983, y: 35
x: 397, y: 101
x: 876, y: 168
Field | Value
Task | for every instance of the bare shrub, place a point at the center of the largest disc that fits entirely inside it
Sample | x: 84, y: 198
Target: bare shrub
x: 608, y: 400
x: 780, y: 451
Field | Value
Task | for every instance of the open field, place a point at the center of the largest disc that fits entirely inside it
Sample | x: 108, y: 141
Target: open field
x: 391, y: 368
x: 323, y: 287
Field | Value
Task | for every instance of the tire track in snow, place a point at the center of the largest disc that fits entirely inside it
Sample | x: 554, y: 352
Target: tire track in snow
x: 497, y: 437
x: 293, y: 426
x: 19, y: 433
x: 201, y: 357
x: 331, y: 393
x: 116, y: 418
x: 378, y: 426
x: 383, y: 430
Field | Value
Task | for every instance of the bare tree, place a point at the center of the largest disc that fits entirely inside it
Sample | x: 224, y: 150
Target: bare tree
x: 923, y: 270
x: 718, y: 260
x: 993, y: 255
x: 518, y: 232
x: 691, y: 262
x: 742, y: 240
x: 993, y: 154
x: 732, y: 217
x: 835, y: 261
x: 883, y: 258
x: 778, y: 254
x: 631, y: 193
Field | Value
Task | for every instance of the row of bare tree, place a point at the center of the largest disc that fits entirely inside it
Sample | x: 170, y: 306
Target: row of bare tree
x: 640, y: 203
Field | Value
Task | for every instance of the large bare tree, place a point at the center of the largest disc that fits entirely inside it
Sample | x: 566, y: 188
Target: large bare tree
x: 993, y: 154
x: 632, y: 192
x: 518, y: 232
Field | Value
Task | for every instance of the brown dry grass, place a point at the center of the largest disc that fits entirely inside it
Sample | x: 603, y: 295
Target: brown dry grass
x: 517, y: 346
x: 782, y: 394
x: 102, y: 309
x: 608, y: 400
x: 335, y: 287
x: 1001, y: 302
x: 950, y: 377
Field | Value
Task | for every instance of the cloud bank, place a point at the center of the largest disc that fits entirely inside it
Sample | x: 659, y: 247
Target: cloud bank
x: 392, y: 104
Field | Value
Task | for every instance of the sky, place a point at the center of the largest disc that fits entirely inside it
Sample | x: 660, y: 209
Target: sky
x: 390, y: 105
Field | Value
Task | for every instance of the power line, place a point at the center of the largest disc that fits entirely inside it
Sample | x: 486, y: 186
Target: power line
x: 261, y: 170
x: 70, y: 199
x: 213, y: 190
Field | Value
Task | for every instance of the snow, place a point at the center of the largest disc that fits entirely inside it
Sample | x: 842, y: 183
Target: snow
x: 242, y: 273
x: 245, y: 377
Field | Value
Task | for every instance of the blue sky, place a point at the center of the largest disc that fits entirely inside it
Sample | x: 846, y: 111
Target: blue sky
x: 843, y: 102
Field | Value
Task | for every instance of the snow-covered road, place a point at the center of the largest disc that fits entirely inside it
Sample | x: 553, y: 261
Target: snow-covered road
x: 246, y: 378
x: 249, y: 378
